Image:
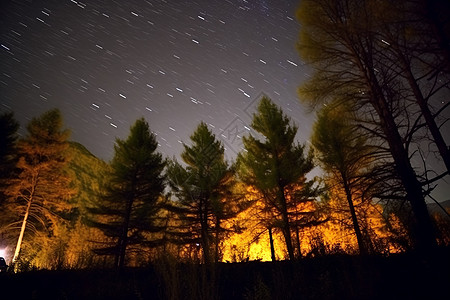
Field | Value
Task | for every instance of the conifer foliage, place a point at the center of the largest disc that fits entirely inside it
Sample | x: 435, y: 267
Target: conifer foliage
x: 276, y: 166
x: 343, y: 153
x: 203, y: 189
x: 127, y: 212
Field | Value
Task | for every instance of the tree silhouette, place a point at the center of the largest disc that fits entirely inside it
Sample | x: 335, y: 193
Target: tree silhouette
x: 341, y: 41
x: 8, y: 149
x: 204, y: 192
x: 344, y: 154
x: 276, y: 166
x: 127, y: 211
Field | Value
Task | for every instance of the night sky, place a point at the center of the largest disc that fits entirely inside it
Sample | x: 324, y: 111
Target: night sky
x: 106, y: 63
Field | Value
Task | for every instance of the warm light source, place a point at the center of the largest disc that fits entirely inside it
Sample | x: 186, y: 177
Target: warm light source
x: 2, y: 252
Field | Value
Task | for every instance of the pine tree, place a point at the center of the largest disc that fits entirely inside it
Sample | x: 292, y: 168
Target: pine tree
x: 344, y: 154
x: 40, y: 194
x: 203, y: 189
x: 276, y: 166
x: 126, y: 214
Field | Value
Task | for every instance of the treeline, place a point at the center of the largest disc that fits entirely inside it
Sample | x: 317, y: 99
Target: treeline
x: 381, y: 75
x: 62, y: 207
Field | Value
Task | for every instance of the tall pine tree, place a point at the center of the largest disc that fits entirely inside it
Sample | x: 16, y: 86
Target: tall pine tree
x: 203, y: 189
x: 277, y: 166
x: 344, y: 154
x: 127, y: 212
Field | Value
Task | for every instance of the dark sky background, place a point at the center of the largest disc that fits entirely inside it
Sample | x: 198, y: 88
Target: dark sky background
x: 106, y: 63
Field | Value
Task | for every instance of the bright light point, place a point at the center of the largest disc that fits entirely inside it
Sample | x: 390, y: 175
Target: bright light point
x: 148, y: 108
x: 123, y: 96
x: 264, y: 62
x: 150, y: 86
x: 201, y: 18
x: 195, y: 41
x: 113, y: 125
x: 180, y: 90
x: 291, y: 62
x: 171, y: 128
x: 108, y: 117
x: 134, y: 14
x: 2, y: 253
x: 5, y: 47
x: 170, y: 95
x: 95, y: 105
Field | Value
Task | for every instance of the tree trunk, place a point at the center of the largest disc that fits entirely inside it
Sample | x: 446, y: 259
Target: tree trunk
x: 22, y: 230
x: 272, y: 248
x: 124, y: 238
x: 217, y: 239
x: 286, y: 225
x: 359, y: 237
x: 297, y: 237
x: 428, y: 116
x: 425, y: 236
x: 204, y: 231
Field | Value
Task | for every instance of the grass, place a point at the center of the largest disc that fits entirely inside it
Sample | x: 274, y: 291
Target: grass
x: 404, y: 276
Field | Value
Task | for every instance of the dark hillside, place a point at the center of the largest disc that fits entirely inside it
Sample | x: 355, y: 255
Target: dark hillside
x: 88, y: 173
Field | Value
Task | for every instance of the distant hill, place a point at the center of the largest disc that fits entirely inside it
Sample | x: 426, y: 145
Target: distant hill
x: 89, y: 173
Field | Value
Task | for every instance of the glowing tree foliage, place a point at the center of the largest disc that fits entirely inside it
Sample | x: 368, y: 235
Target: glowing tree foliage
x: 344, y: 154
x: 126, y: 214
x: 40, y: 193
x: 276, y: 167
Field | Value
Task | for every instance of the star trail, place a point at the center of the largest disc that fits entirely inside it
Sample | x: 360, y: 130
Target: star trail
x: 106, y: 63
